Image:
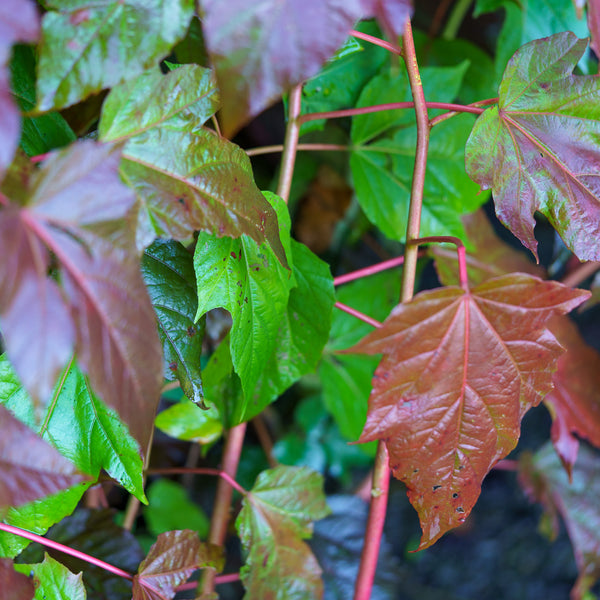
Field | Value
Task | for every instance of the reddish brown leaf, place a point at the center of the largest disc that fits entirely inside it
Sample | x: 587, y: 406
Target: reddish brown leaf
x: 14, y: 586
x: 262, y: 49
x: 29, y: 467
x: 575, y: 400
x: 391, y: 14
x: 171, y: 560
x: 459, y: 370
x: 593, y: 19
x: 19, y: 22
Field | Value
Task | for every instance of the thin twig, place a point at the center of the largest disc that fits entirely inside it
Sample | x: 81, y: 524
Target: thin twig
x: 357, y: 314
x: 290, y: 143
x: 276, y: 148
x: 580, y: 274
x: 376, y: 41
x: 460, y: 250
x: 382, y: 266
x: 264, y: 438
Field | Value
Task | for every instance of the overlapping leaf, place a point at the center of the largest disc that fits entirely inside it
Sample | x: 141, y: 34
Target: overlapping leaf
x: 29, y: 467
x: 16, y: 585
x: 260, y: 50
x: 79, y: 425
x: 276, y: 516
x: 187, y: 421
x: 171, y: 560
x: 186, y: 178
x: 446, y: 415
x: 544, y: 478
x: 75, y: 223
x: 53, y: 581
x: 19, y: 22
x: 391, y: 14
x: 168, y: 271
x: 538, y: 149
x: 88, y: 46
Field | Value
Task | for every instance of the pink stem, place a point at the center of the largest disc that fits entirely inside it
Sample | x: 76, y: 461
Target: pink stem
x: 219, y: 580
x: 507, y: 465
x: 200, y: 471
x: 280, y: 147
x: 39, y: 158
x: 382, y: 266
x: 357, y: 314
x: 460, y: 250
x: 65, y: 549
x: 375, y: 40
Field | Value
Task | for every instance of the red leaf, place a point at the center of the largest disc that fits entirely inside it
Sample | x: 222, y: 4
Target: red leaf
x: 19, y: 22
x: 262, y: 49
x: 459, y: 370
x: 29, y: 467
x: 391, y: 14
x: 171, y: 560
x: 14, y: 586
x: 575, y: 400
x: 593, y: 19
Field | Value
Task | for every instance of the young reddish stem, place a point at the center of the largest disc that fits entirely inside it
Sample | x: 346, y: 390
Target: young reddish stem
x: 222, y: 503
x: 460, y: 250
x: 66, y: 550
x: 363, y: 110
x: 475, y: 106
x: 290, y: 143
x: 39, y: 158
x: 377, y: 41
x: 200, y: 471
x: 219, y: 580
x: 357, y: 314
x: 382, y: 266
x: 280, y: 147
x: 580, y: 274
x: 381, y: 473
x: 507, y: 464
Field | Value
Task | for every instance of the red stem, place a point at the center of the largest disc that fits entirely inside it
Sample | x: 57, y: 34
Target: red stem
x: 66, y: 550
x: 460, y: 250
x: 40, y: 157
x: 377, y: 41
x: 382, y: 266
x: 199, y: 471
x: 357, y: 314
x: 280, y: 147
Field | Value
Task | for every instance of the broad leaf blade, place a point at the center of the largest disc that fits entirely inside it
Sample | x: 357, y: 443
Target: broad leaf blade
x: 168, y: 272
x: 171, y: 560
x: 391, y: 14
x: 187, y: 421
x: 261, y: 50
x: 445, y: 416
x: 78, y: 55
x: 79, y: 425
x: 53, y: 581
x: 538, y: 150
x: 275, y: 517
x: 185, y: 98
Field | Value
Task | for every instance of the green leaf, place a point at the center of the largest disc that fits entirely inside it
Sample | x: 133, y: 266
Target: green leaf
x: 183, y: 98
x: 170, y: 508
x: 88, y: 46
x: 39, y: 134
x: 53, y: 581
x: 79, y: 425
x: 196, y: 180
x: 168, y: 271
x: 441, y: 83
x: 538, y: 149
x: 186, y: 421
x: 249, y: 282
x: 276, y: 516
x: 382, y: 173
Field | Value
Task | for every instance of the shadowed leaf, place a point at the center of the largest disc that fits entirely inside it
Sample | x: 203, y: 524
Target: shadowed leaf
x: 15, y: 586
x: 538, y: 150
x: 445, y: 415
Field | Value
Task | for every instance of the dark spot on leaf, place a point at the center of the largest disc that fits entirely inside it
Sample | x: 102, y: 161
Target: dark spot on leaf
x: 460, y: 509
x: 233, y: 255
x: 461, y: 467
x: 455, y: 495
x: 191, y: 331
x: 436, y: 487
x: 541, y: 154
x: 415, y: 470
x: 265, y: 560
x: 173, y: 366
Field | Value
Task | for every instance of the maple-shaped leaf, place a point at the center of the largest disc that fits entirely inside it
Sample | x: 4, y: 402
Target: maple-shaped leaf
x: 446, y: 415
x: 29, y: 467
x: 545, y: 480
x: 260, y: 50
x: 53, y: 581
x: 391, y: 14
x: 79, y: 425
x: 276, y: 516
x: 171, y: 560
x: 19, y: 22
x: 88, y: 46
x: 71, y: 219
x: 15, y: 586
x: 575, y: 400
x: 538, y: 149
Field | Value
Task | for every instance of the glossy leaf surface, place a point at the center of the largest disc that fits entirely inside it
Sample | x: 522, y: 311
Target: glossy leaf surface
x: 187, y: 421
x: 544, y: 478
x: 29, y: 467
x: 88, y: 46
x: 19, y: 22
x: 537, y: 150
x: 276, y: 516
x: 15, y: 585
x: 53, y: 581
x: 446, y: 416
x: 79, y: 425
x: 171, y: 560
x: 78, y: 210
x: 185, y: 98
x: 168, y: 271
x: 260, y: 51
